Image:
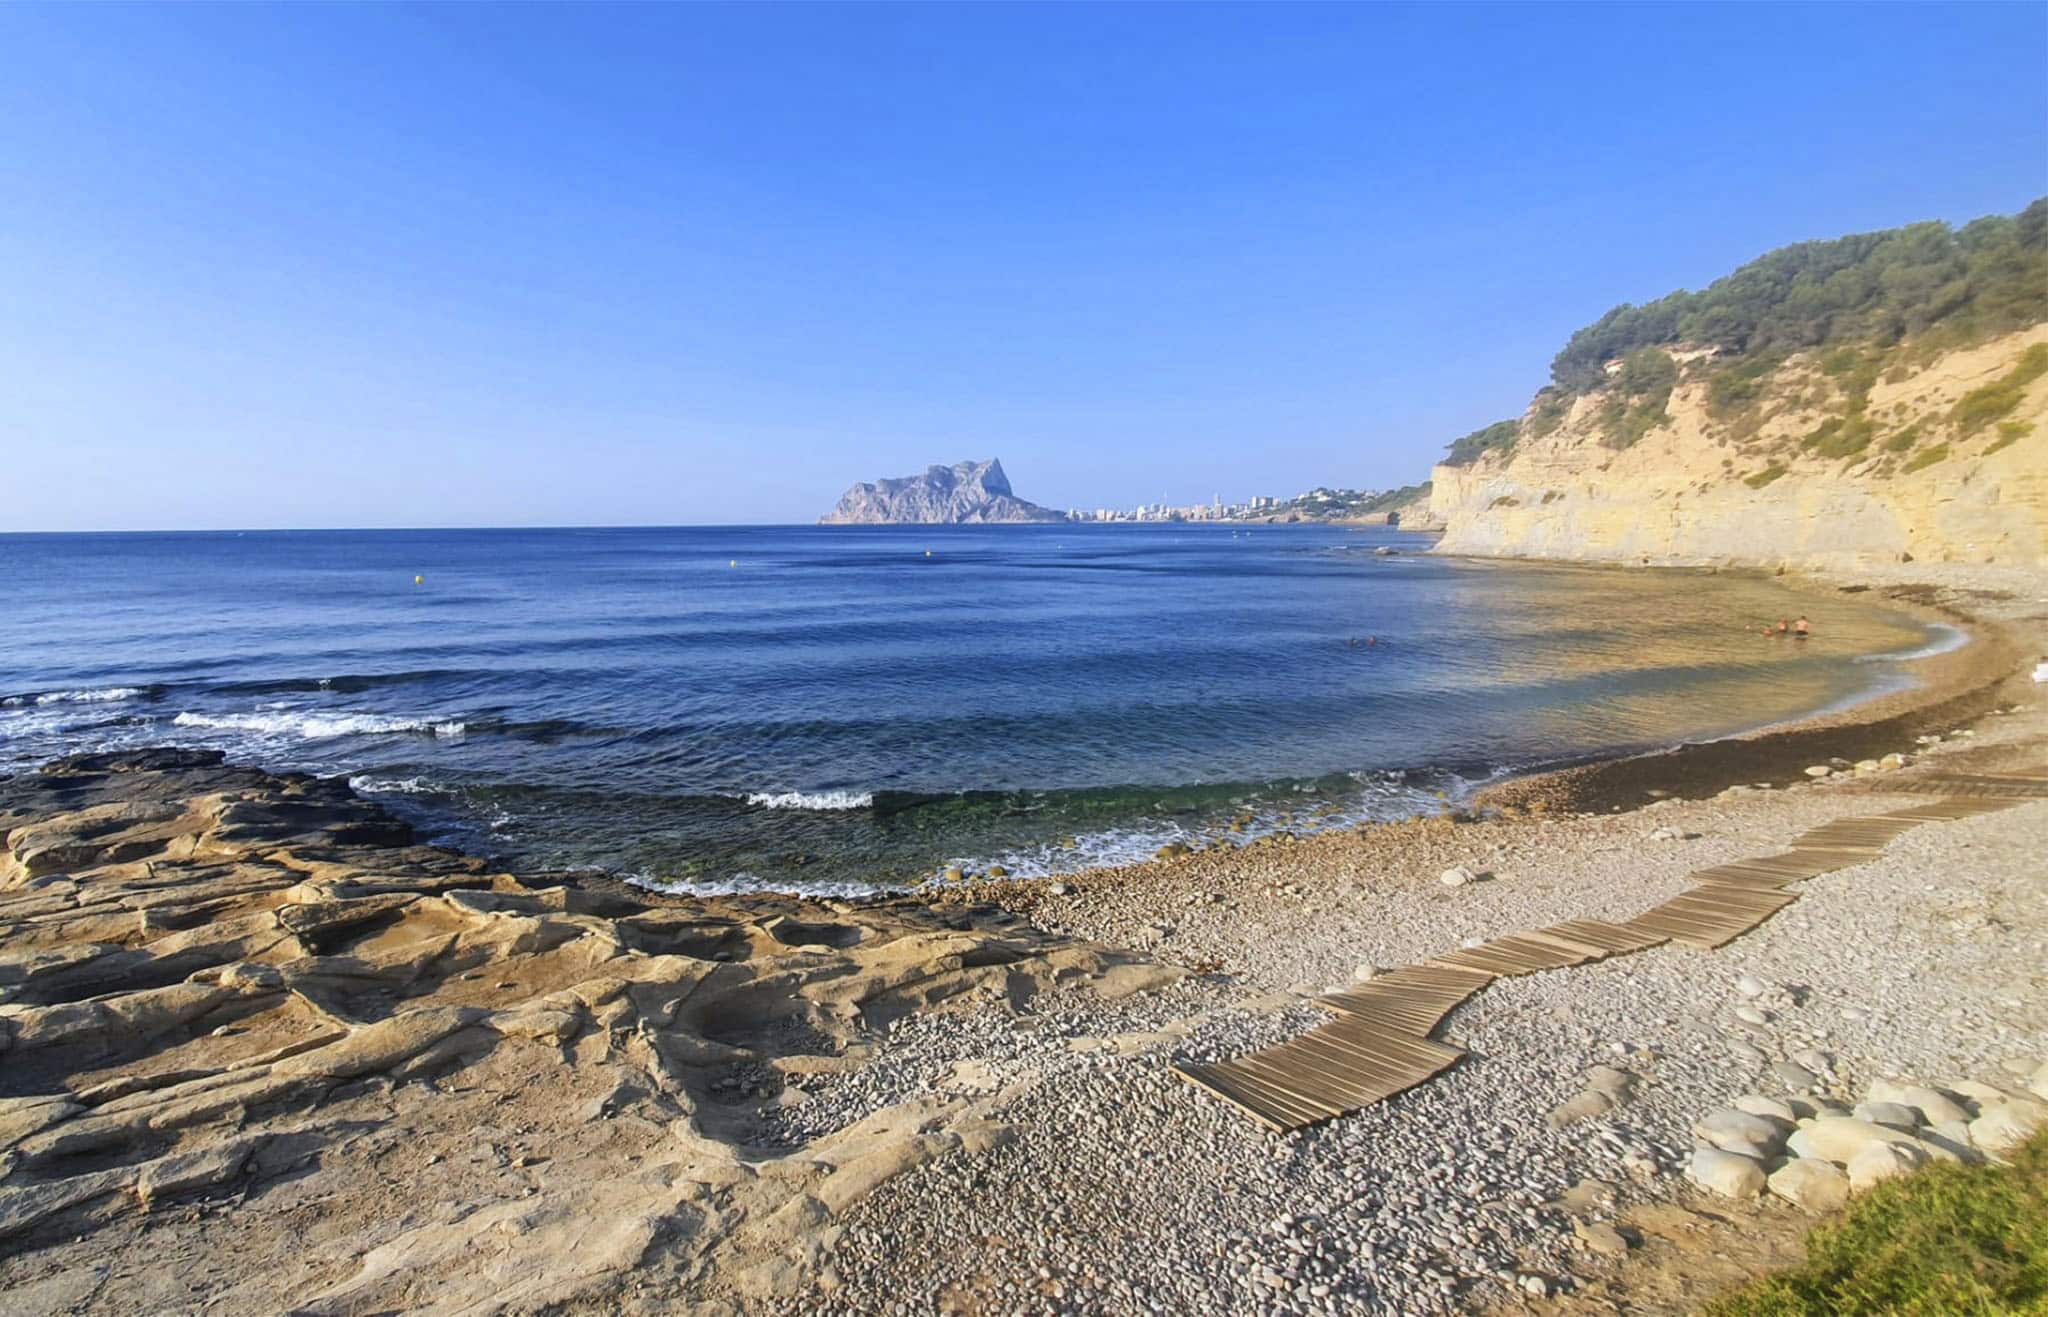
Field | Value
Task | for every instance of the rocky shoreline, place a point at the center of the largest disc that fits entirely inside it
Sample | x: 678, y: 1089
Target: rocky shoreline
x: 262, y: 1053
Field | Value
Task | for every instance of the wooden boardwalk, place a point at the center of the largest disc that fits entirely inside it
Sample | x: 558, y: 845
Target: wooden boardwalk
x: 1378, y: 1042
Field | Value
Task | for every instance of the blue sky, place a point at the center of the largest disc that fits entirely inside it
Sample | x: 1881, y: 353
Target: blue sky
x: 465, y: 265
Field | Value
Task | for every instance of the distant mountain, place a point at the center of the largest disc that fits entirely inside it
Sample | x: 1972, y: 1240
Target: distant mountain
x: 963, y: 494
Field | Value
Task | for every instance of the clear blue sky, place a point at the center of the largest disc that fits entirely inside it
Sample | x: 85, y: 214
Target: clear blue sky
x: 356, y: 266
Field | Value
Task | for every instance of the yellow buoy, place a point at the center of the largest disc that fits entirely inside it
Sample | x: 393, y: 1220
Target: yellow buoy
x: 734, y: 563
x: 927, y: 553
x: 418, y: 580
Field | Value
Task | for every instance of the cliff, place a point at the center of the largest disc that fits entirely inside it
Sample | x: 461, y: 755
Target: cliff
x: 966, y: 493
x: 1832, y: 457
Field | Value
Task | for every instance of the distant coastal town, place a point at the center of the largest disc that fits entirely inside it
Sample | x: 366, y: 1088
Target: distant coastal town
x: 1320, y: 504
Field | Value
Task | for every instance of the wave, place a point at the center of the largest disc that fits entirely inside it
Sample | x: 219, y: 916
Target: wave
x: 364, y: 784
x: 348, y: 683
x: 100, y: 695
x: 1946, y: 639
x: 319, y: 727
x: 811, y: 800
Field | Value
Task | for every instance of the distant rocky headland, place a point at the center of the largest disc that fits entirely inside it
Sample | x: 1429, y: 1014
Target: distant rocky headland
x: 966, y: 493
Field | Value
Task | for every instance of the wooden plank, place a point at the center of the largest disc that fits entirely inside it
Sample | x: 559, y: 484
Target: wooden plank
x: 1304, y: 1109
x: 1332, y: 1093
x: 1700, y: 923
x: 1611, y: 939
x: 1279, y: 1120
x: 1416, y: 1018
x: 1402, y: 1049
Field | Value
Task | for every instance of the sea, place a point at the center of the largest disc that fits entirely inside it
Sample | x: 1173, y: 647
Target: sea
x: 850, y: 709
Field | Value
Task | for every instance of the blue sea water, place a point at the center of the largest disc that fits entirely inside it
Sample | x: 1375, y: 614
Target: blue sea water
x: 838, y: 708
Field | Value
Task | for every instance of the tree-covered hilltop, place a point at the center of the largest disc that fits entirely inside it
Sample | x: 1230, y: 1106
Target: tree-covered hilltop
x: 1989, y: 276
x: 1863, y: 295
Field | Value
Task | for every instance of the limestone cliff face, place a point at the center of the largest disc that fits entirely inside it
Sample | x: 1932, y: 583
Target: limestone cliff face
x: 1780, y: 481
x: 966, y: 493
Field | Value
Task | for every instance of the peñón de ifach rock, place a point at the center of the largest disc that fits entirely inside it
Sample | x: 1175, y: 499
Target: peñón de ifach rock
x: 967, y: 493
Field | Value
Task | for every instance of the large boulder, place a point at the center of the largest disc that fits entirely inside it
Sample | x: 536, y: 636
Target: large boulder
x: 1840, y: 1138
x: 2003, y: 1127
x: 1739, y: 1131
x: 1897, y: 1115
x: 1812, y: 1184
x: 1729, y: 1174
x: 1878, y: 1162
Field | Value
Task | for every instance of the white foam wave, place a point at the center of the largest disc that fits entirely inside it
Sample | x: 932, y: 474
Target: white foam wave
x: 743, y: 883
x: 1945, y: 640
x: 318, y: 727
x: 100, y: 695
x: 405, y: 786
x: 812, y: 800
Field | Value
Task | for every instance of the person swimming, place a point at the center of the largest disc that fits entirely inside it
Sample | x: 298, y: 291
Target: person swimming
x: 1784, y: 627
x: 1801, y: 629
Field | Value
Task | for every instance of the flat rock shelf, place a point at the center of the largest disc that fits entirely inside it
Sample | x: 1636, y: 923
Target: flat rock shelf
x: 1379, y: 1044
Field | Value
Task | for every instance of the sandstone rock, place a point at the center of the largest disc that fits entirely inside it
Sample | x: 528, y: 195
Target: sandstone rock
x: 1726, y: 1173
x: 1588, y: 1198
x: 1749, y: 985
x: 1818, y: 770
x: 1895, y: 1114
x: 1599, y: 1237
x: 1794, y: 1076
x: 1934, y: 1106
x: 1812, y: 1184
x: 1758, y: 1105
x: 2003, y: 1127
x: 1951, y: 1138
x: 1752, y: 1015
x: 1738, y: 1131
x: 1814, y: 1060
x: 1883, y: 1161
x: 2037, y: 1084
x: 1610, y: 1081
x: 1586, y: 1106
x: 1840, y: 1138
x: 1457, y: 877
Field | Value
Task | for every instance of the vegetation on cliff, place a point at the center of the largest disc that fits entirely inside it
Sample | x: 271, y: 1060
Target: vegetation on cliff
x: 1847, y: 313
x: 1985, y: 278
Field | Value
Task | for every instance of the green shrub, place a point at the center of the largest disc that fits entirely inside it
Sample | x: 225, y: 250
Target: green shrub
x: 1904, y: 439
x: 2010, y: 433
x: 1938, y: 453
x: 1948, y: 1239
x: 1980, y: 407
x: 1740, y: 383
x: 1498, y: 437
x: 1552, y: 406
x: 1764, y: 477
x: 1841, y: 436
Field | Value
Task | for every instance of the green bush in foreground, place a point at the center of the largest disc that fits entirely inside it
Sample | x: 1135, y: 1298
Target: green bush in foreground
x: 1949, y: 1239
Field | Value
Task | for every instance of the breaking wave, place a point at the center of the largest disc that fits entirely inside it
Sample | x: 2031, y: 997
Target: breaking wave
x: 811, y: 800
x: 319, y: 727
x: 102, y: 695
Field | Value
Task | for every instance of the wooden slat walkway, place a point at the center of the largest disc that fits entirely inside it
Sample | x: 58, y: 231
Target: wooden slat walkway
x: 1377, y: 1043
